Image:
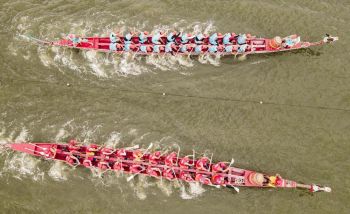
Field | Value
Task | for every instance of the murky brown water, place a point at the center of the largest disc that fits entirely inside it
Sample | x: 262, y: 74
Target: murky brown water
x: 211, y: 105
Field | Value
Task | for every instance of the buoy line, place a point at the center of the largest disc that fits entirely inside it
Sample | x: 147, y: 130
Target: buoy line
x: 167, y: 94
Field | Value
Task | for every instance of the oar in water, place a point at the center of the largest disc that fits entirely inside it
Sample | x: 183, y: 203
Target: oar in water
x: 132, y: 176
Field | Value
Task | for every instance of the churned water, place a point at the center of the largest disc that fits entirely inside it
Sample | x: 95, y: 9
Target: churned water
x: 284, y: 113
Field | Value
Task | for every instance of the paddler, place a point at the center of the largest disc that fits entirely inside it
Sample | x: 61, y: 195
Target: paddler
x: 121, y: 154
x: 73, y: 146
x: 185, y: 38
x: 213, y: 49
x: 290, y: 41
x: 158, y: 48
x: 169, y: 174
x: 153, y: 171
x: 72, y: 160
x: 202, y: 164
x: 154, y: 157
x: 171, y: 159
x: 104, y: 165
x: 137, y: 155
x: 171, y: 37
x: 113, y: 37
x: 202, y: 178
x: 128, y: 37
x: 169, y: 47
x: 184, y: 162
x: 241, y: 39
x: 242, y: 48
x: 213, y: 39
x: 156, y: 38
x: 106, y: 152
x: 226, y: 40
x: 198, y: 39
x: 74, y: 39
x: 220, y: 167
x: 143, y: 37
x: 198, y: 49
x: 145, y: 48
x: 228, y: 48
x: 218, y: 179
x: 186, y: 176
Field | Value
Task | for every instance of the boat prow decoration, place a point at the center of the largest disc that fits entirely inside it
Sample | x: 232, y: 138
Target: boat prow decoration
x: 169, y: 166
x: 220, y: 44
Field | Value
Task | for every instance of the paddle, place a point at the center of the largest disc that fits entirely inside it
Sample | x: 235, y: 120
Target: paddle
x: 132, y: 176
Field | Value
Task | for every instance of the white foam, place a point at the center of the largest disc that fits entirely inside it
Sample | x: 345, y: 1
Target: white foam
x: 195, y: 190
x: 113, y: 139
x: 22, y: 165
x: 23, y: 136
x: 57, y: 171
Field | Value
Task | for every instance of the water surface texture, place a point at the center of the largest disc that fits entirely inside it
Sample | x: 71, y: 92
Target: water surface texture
x: 301, y: 129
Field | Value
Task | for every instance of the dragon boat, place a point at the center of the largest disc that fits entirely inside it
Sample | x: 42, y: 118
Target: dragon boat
x: 170, y: 166
x: 186, y: 44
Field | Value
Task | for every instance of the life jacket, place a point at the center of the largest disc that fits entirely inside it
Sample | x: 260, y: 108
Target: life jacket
x: 156, y: 49
x: 137, y: 155
x: 169, y: 174
x: 199, y: 38
x: 72, y: 145
x: 153, y: 171
x: 87, y: 163
x: 202, y: 164
x: 186, y: 176
x: 171, y: 159
x: 184, y: 163
x: 113, y: 37
x: 113, y: 46
x: 198, y: 49
x: 184, y: 38
x: 242, y: 48
x: 136, y: 168
x: 155, y: 157
x: 127, y: 45
x: 241, y: 39
x: 71, y: 160
x: 118, y: 166
x: 170, y: 37
x: 202, y: 179
x: 168, y: 47
x: 213, y: 49
x: 155, y: 38
x: 128, y: 37
x: 213, y: 39
x: 219, y: 167
x: 106, y: 152
x: 218, y: 179
x: 183, y: 48
x: 143, y: 48
x: 92, y: 148
x: 103, y: 165
x: 229, y: 48
x: 142, y: 38
x: 226, y: 39
x: 121, y: 153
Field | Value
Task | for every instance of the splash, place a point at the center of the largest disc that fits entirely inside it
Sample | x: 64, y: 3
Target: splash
x: 195, y: 190
x: 22, y: 165
x: 58, y: 171
x: 113, y: 139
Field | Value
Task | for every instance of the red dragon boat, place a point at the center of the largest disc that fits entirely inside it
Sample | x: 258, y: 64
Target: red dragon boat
x: 168, y: 166
x: 216, y: 44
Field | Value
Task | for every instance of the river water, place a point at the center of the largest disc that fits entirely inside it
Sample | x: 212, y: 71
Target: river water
x: 210, y: 105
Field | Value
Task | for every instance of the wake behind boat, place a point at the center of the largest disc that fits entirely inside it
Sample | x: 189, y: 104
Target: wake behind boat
x: 185, y: 44
x: 159, y: 165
